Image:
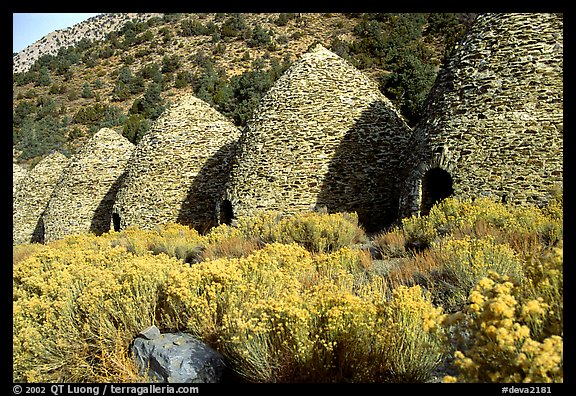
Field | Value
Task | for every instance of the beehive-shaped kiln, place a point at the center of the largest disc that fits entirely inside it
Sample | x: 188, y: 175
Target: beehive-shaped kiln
x: 83, y: 198
x: 178, y: 170
x: 494, y: 121
x: 32, y: 196
x: 322, y: 136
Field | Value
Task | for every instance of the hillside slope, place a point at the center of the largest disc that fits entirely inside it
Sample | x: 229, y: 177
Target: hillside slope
x: 93, y: 29
x: 123, y: 70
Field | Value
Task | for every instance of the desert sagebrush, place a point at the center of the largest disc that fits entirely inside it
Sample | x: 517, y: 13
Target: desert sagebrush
x: 498, y: 346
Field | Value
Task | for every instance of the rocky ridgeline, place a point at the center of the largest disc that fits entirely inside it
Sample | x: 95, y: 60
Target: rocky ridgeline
x: 93, y: 29
x: 323, y: 136
x: 32, y: 196
x: 494, y: 122
x: 178, y: 170
x: 83, y: 197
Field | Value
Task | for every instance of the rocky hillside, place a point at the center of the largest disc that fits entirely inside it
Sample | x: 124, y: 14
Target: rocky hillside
x: 93, y: 29
x: 123, y: 70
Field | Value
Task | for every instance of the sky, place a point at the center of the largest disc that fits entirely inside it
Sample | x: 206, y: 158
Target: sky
x: 28, y: 28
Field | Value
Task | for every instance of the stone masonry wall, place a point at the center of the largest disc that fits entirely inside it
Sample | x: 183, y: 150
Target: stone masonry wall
x: 494, y: 119
x: 322, y: 136
x: 178, y: 169
x: 32, y: 197
x: 18, y: 173
x: 83, y: 198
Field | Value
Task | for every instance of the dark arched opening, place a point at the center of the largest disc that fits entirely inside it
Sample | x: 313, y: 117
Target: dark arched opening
x: 116, y: 221
x: 226, y: 212
x: 436, y: 185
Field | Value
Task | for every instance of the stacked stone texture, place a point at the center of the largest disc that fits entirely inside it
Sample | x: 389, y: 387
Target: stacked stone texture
x: 18, y: 173
x: 83, y: 198
x: 178, y: 169
x: 32, y: 197
x: 494, y: 119
x: 323, y: 136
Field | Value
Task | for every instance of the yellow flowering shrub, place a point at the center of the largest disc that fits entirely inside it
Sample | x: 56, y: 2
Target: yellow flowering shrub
x: 227, y: 241
x: 221, y: 233
x: 132, y: 239
x: 317, y: 232
x: 262, y: 226
x: 544, y: 280
x: 497, y: 344
x: 269, y: 271
x: 227, y: 302
x: 355, y: 262
x: 176, y: 240
x: 461, y: 263
x: 419, y: 232
x: 555, y: 207
x: 363, y: 335
x: 516, y: 223
x: 286, y: 314
x: 196, y: 297
x: 78, y: 306
x: 293, y: 298
x: 414, y: 346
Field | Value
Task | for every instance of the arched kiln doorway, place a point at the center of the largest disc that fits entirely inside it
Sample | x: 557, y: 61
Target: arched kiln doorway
x: 436, y: 185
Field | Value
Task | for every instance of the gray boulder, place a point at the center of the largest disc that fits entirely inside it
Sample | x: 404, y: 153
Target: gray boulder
x: 176, y: 358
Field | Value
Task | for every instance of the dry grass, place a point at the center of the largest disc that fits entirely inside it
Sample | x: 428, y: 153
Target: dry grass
x: 391, y: 244
x: 21, y: 252
x: 234, y: 247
